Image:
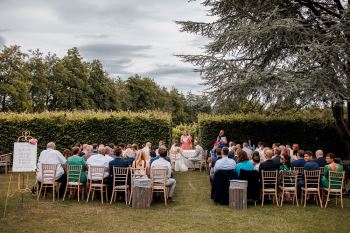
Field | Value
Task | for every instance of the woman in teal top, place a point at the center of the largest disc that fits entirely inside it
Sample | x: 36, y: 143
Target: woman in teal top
x: 331, y: 166
x: 75, y: 159
x: 243, y: 162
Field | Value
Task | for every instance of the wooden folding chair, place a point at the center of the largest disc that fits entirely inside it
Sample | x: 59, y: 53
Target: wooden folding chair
x: 120, y: 182
x: 48, y: 180
x: 312, y: 185
x: 96, y: 181
x: 5, y: 162
x: 159, y: 179
x: 300, y: 172
x: 136, y: 173
x: 335, y: 187
x: 203, y: 161
x: 322, y: 171
x: 73, y: 180
x: 269, y: 185
x: 289, y: 184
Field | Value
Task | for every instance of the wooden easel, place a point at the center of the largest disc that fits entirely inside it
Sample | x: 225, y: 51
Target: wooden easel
x: 23, y: 178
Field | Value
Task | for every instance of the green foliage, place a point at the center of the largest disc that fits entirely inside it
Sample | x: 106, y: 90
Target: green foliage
x: 179, y: 129
x: 66, y: 129
x: 310, y: 133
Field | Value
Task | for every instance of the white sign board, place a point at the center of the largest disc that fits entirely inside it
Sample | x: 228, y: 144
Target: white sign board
x: 24, y: 157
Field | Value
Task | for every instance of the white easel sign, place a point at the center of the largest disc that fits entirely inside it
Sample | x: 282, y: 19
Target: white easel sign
x: 24, y: 157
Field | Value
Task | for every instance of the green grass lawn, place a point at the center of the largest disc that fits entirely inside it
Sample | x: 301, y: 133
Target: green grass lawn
x: 193, y: 211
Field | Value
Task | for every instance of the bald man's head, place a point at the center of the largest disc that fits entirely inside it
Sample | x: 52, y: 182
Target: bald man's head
x: 51, y: 145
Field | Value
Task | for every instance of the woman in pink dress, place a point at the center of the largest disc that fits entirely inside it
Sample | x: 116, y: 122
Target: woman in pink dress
x: 186, y: 140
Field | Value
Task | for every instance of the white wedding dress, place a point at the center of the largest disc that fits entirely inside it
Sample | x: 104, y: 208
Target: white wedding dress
x: 180, y: 163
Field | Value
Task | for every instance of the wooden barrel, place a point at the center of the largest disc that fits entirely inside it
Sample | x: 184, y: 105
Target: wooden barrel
x: 142, y: 197
x: 238, y: 194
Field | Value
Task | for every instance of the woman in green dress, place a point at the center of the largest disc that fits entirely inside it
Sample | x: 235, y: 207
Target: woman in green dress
x: 285, y: 161
x: 75, y: 159
x: 331, y: 166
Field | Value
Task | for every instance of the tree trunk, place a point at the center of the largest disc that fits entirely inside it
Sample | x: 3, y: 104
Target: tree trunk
x: 342, y: 126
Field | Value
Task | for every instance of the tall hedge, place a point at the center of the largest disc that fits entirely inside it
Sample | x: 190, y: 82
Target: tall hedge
x: 310, y: 133
x: 66, y: 129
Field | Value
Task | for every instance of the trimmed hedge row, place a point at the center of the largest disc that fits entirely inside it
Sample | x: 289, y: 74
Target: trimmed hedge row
x: 66, y: 129
x: 310, y: 133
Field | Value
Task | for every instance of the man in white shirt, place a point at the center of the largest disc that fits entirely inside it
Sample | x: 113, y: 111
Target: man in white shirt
x: 52, y: 156
x: 247, y: 149
x: 161, y: 163
x: 98, y: 160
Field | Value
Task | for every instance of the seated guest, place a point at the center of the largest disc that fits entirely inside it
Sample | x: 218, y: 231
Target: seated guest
x: 243, y: 162
x: 83, y: 150
x: 310, y: 162
x: 161, y: 145
x: 277, y: 155
x: 161, y: 163
x: 213, y: 152
x: 260, y: 150
x: 94, y: 148
x: 67, y: 153
x: 109, y: 154
x: 135, y: 150
x: 88, y: 153
x: 224, y: 163
x: 320, y: 159
x: 256, y: 160
x: 147, y: 150
x: 98, y: 160
x: 141, y: 162
x: 285, y: 161
x: 198, y: 153
x: 75, y: 159
x: 300, y: 161
x: 331, y: 166
x: 247, y: 149
x: 119, y: 161
x: 52, y: 156
x: 269, y: 164
x: 212, y: 164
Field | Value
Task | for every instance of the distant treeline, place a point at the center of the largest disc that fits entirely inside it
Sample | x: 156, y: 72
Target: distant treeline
x: 34, y: 82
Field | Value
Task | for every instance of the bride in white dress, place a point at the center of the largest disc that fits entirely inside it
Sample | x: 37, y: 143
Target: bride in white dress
x: 180, y: 161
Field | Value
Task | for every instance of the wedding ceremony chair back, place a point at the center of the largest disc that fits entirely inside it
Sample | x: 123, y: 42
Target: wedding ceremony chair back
x: 96, y: 182
x: 136, y: 173
x: 73, y: 180
x: 335, y: 187
x: 48, y: 180
x: 269, y: 185
x: 289, y: 185
x: 312, y: 186
x: 120, y: 182
x: 159, y: 179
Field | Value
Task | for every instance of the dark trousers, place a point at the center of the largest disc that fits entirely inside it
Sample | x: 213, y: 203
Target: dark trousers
x: 63, y: 182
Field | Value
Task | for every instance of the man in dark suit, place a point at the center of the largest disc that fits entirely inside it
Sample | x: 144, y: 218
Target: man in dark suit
x: 320, y: 159
x: 269, y: 164
x: 300, y: 162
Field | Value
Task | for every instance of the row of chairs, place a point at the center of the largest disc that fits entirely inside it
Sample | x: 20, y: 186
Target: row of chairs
x: 120, y: 181
x: 289, y: 184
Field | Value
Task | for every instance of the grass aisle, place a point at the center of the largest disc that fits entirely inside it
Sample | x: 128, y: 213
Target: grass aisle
x: 193, y: 211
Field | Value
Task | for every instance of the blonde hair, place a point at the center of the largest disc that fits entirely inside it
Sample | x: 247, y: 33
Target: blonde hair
x: 141, y: 156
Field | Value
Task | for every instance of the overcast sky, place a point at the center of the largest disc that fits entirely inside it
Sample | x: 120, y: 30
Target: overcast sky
x: 128, y: 36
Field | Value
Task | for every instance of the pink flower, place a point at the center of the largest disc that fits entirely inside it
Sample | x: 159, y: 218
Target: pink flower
x: 33, y: 141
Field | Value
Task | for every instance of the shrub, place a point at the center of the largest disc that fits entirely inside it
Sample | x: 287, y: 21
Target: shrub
x: 66, y: 129
x: 310, y: 133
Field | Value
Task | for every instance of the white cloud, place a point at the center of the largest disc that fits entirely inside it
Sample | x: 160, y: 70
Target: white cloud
x: 127, y: 36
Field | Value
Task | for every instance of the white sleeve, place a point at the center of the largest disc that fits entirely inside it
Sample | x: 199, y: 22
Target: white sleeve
x: 61, y: 158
